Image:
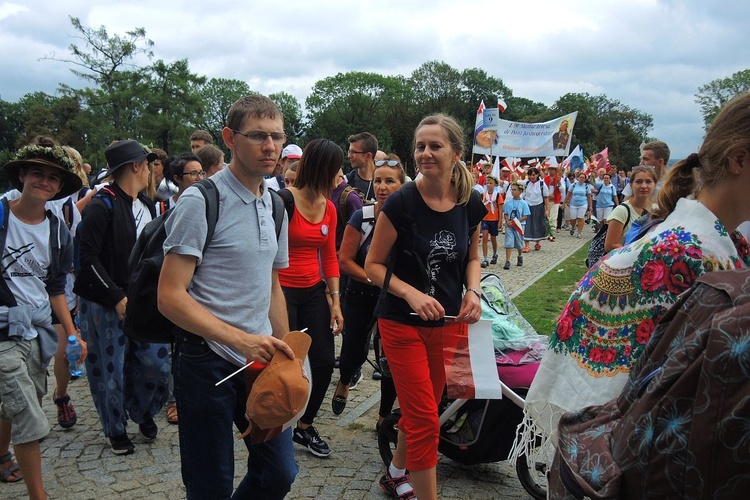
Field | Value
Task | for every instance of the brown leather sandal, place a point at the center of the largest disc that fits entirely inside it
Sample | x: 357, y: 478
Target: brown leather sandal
x: 172, y: 413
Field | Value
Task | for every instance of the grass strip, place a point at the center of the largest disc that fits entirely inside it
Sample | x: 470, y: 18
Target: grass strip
x: 542, y: 303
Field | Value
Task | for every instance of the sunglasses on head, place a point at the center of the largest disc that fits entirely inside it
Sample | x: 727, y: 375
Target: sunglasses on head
x: 390, y: 163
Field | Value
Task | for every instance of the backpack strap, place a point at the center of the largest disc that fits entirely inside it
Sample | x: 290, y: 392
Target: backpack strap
x: 67, y: 211
x: 342, y: 202
x: 6, y: 296
x: 368, y: 222
x: 277, y: 207
x: 207, y: 187
x: 288, y: 198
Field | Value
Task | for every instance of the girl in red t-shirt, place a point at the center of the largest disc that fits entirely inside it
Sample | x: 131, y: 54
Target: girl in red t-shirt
x: 311, y: 282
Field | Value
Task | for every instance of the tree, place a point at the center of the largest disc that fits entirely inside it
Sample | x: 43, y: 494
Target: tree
x: 715, y: 94
x: 170, y: 103
x: 217, y: 95
x: 44, y: 114
x: 347, y: 103
x: 102, y: 60
x: 292, y: 112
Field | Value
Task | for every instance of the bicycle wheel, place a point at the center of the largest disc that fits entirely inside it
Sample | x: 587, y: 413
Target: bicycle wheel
x: 533, y: 478
x: 388, y: 436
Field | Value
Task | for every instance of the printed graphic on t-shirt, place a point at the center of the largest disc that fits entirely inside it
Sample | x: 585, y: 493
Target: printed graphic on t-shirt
x: 17, y: 264
x: 443, y: 249
x: 26, y: 261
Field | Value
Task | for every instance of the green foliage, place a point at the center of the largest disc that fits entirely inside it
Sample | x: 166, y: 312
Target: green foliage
x: 292, y: 111
x: 216, y: 96
x: 715, y: 94
x: 171, y: 105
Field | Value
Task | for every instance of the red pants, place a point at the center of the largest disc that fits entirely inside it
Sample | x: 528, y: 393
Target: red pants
x: 415, y: 356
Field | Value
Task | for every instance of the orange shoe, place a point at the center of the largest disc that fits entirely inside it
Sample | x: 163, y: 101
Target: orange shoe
x: 526, y: 249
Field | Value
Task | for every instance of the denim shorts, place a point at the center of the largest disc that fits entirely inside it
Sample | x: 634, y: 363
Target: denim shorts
x: 22, y: 382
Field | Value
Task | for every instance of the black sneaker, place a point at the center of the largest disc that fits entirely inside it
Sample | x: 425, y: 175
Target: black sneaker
x: 519, y: 262
x: 493, y: 261
x: 507, y: 265
x: 356, y: 379
x: 148, y: 429
x: 121, y: 445
x: 310, y: 439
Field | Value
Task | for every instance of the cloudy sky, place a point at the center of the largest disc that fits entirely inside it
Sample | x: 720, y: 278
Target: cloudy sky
x: 649, y: 54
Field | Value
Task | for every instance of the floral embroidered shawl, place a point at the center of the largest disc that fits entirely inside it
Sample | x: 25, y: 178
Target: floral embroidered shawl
x: 611, y: 315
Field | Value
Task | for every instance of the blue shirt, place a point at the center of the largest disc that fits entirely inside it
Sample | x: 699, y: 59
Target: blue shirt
x: 605, y: 197
x: 516, y: 209
x: 579, y: 192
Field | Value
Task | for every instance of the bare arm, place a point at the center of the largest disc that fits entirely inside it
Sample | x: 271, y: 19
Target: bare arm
x: 277, y: 314
x: 184, y: 311
x: 615, y: 230
x: 60, y: 307
x: 375, y: 265
x: 348, y: 253
x: 471, y: 308
x: 81, y: 204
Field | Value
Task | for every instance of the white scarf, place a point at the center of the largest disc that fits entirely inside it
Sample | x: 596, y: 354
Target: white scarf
x: 492, y: 200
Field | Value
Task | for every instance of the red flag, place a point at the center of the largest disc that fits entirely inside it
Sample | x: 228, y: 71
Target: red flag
x: 501, y: 105
x: 469, y: 361
x: 516, y: 224
x: 601, y: 160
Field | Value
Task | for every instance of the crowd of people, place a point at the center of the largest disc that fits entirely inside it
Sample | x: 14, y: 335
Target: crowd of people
x: 368, y: 252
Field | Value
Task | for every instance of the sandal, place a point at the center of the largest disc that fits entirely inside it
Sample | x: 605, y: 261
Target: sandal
x: 11, y: 473
x: 537, y: 246
x: 390, y: 484
x: 172, y: 413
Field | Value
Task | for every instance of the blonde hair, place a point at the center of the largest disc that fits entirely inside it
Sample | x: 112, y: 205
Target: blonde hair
x: 460, y: 177
x: 728, y: 133
x: 77, y: 163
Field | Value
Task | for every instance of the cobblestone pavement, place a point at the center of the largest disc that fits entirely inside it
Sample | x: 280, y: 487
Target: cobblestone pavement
x: 78, y: 464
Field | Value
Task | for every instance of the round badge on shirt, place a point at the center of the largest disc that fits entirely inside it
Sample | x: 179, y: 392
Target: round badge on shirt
x: 324, y: 229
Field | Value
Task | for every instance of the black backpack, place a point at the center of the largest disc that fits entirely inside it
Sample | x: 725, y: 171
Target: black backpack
x: 596, y: 249
x: 143, y: 321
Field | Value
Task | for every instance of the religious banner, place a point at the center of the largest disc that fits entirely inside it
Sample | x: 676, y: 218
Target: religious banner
x: 520, y: 139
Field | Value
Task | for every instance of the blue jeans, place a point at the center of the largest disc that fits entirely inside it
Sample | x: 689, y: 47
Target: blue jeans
x: 206, y: 434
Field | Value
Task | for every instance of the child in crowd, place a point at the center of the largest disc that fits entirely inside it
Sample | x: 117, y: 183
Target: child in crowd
x: 493, y: 202
x: 515, y: 209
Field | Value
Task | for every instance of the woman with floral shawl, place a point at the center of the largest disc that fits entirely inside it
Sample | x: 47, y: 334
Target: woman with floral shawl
x: 613, y: 311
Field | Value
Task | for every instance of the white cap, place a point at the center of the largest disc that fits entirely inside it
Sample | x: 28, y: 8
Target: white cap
x: 292, y: 151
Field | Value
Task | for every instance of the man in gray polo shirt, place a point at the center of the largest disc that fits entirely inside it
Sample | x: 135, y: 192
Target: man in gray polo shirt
x: 229, y: 309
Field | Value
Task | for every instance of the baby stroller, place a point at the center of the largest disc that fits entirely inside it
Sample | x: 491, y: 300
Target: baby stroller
x: 483, y: 430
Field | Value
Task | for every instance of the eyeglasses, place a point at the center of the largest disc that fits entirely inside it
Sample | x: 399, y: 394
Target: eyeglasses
x: 259, y: 138
x: 390, y: 163
x: 353, y: 152
x: 196, y: 174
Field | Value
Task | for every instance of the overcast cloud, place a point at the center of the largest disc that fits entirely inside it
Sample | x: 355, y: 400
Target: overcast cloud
x: 651, y: 55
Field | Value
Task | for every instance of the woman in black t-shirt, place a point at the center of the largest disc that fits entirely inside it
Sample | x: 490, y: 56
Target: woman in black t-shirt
x: 434, y: 255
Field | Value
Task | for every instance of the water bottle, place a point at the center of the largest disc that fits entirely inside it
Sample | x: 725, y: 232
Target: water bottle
x: 73, y: 352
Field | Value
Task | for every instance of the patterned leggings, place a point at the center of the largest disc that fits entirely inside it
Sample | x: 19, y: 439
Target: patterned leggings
x: 127, y: 378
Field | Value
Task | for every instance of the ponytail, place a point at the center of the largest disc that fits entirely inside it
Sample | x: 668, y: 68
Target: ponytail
x: 680, y: 182
x: 462, y: 182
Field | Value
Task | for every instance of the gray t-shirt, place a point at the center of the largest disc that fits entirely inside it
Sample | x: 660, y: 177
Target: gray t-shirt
x: 233, y: 278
